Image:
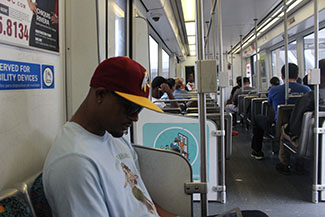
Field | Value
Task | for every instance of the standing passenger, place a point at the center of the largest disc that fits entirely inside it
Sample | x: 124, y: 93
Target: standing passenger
x: 91, y: 169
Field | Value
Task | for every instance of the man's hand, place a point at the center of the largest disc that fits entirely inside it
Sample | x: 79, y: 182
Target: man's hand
x: 165, y: 88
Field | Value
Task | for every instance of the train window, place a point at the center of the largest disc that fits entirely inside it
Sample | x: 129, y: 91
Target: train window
x: 153, y: 46
x: 309, y: 52
x: 165, y: 64
x: 278, y: 58
x: 117, y: 35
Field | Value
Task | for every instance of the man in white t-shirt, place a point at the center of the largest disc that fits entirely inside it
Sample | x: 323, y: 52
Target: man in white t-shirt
x: 91, y: 169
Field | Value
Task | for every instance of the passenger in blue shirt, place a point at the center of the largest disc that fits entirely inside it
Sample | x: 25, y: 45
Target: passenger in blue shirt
x: 276, y: 97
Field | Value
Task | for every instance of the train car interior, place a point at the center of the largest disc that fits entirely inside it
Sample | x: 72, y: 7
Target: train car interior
x: 224, y: 61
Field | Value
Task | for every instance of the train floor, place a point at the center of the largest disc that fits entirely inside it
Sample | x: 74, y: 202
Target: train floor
x: 255, y: 184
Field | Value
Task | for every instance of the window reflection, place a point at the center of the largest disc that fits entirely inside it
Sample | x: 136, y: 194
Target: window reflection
x: 153, y: 57
x: 309, y: 50
x: 278, y: 58
x: 165, y: 64
x: 117, y: 27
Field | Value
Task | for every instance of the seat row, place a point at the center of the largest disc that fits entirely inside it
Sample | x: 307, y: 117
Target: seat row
x: 249, y: 106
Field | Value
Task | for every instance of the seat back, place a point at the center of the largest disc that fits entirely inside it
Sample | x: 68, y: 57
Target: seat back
x: 39, y: 201
x: 228, y: 128
x: 164, y: 174
x: 306, y: 138
x: 240, y: 104
x: 265, y: 106
x: 256, y: 107
x: 14, y: 202
x: 247, y: 105
x: 173, y: 110
x: 283, y: 114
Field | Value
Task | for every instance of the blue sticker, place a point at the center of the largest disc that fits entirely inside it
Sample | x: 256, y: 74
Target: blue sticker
x: 22, y: 75
x: 19, y: 75
x: 48, y: 76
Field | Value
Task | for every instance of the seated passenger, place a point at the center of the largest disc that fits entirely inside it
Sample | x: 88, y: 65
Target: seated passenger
x: 274, y: 81
x: 276, y: 97
x: 159, y: 87
x: 172, y: 85
x: 233, y: 90
x: 232, y: 108
x: 91, y: 169
x: 180, y: 92
x: 292, y: 130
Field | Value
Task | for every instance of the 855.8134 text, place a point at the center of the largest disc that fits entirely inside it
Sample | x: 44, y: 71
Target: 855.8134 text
x: 13, y: 29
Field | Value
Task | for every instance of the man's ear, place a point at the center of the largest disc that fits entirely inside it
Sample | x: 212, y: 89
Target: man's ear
x: 100, y: 93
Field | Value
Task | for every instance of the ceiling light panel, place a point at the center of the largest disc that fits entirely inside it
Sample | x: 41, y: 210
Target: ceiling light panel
x: 190, y: 28
x: 188, y: 10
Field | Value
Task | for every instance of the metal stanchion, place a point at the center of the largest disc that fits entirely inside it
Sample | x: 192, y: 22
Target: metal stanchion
x: 202, y: 104
x: 285, y: 23
x: 241, y: 63
x: 315, y: 195
x: 257, y: 62
x: 222, y: 107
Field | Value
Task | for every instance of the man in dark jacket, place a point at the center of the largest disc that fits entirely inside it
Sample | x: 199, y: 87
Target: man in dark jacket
x: 292, y: 130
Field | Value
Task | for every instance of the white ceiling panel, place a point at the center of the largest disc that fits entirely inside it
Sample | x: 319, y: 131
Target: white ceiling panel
x: 238, y: 17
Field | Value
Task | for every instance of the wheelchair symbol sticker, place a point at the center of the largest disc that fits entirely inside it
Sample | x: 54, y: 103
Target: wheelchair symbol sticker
x: 48, y: 77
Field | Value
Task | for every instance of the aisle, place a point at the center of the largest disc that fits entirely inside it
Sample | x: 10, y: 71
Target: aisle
x: 253, y: 184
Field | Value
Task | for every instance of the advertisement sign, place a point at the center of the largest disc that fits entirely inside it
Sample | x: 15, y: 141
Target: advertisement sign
x: 182, y: 138
x: 22, y: 75
x: 31, y: 23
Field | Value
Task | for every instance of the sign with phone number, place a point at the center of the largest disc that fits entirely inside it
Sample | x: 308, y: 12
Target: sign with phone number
x: 30, y: 23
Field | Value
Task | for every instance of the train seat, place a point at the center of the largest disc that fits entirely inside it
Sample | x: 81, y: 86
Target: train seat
x: 173, y: 110
x: 37, y: 196
x: 165, y: 174
x: 228, y: 128
x: 304, y: 146
x: 283, y: 115
x: 16, y: 202
x: 256, y: 107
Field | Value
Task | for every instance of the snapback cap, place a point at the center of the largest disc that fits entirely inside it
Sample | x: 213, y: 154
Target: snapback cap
x: 126, y: 78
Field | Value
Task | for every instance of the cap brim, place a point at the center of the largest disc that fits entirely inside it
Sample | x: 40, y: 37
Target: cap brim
x: 140, y: 100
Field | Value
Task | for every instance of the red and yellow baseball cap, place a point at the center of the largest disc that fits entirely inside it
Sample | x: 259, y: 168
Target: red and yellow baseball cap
x: 126, y: 78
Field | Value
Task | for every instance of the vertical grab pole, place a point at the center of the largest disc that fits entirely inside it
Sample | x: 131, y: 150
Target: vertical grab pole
x: 241, y: 63
x: 201, y: 96
x: 232, y: 68
x: 213, y: 29
x: 222, y: 107
x: 207, y: 40
x: 285, y: 23
x: 315, y: 196
x: 257, y: 62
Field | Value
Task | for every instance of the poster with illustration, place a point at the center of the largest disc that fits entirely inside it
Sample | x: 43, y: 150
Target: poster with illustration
x: 182, y: 138
x: 31, y: 23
